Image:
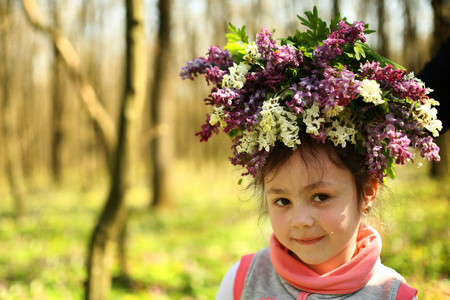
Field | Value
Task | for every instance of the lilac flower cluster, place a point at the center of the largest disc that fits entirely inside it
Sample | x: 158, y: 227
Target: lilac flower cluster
x: 350, y: 34
x: 270, y: 92
x: 213, y: 66
x: 332, y: 46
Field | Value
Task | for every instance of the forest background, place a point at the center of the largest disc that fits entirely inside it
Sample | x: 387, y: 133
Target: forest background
x: 106, y: 192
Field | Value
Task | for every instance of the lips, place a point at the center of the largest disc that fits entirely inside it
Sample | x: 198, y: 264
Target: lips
x: 309, y: 241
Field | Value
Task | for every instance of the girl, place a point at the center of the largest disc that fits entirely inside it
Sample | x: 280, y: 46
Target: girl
x: 317, y: 198
x: 319, y: 121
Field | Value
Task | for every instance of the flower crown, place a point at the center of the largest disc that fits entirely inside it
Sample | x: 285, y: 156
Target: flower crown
x: 325, y: 82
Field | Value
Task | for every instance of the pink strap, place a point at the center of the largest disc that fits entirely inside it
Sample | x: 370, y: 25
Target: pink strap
x: 405, y: 292
x: 241, y: 273
x: 303, y: 295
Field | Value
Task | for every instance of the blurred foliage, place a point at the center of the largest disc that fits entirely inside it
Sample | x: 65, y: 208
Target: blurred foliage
x: 183, y: 251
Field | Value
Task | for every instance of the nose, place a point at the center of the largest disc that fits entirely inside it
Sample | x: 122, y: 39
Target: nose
x: 302, y: 216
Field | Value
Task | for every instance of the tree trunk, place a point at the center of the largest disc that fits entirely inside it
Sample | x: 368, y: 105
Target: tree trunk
x: 159, y: 158
x: 57, y: 106
x: 383, y: 42
x: 112, y: 218
x: 411, y: 52
x: 336, y: 8
x: 440, y: 33
x: 441, y: 24
x: 441, y: 169
x: 11, y: 140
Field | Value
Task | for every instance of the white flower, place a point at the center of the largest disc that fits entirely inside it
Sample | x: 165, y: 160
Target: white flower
x: 421, y: 84
x: 252, y: 54
x: 410, y: 76
x: 340, y: 134
x: 313, y: 111
x: 275, y: 123
x: 236, y: 78
x: 269, y: 113
x: 266, y: 139
x: 248, y: 142
x: 312, y: 120
x: 332, y: 112
x: 218, y: 116
x: 371, y: 92
x: 313, y: 127
x: 426, y: 115
x: 433, y: 126
x: 289, y: 129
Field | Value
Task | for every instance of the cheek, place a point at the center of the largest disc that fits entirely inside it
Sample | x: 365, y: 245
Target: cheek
x: 278, y: 220
x: 340, y: 219
x: 332, y: 220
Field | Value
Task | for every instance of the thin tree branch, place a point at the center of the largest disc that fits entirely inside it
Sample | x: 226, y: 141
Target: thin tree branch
x: 96, y: 111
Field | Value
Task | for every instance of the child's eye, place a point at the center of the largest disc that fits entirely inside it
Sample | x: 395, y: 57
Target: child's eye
x: 282, y: 202
x: 320, y: 198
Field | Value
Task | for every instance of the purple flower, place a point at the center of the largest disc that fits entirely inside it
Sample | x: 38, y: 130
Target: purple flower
x: 428, y: 149
x: 214, y: 75
x: 398, y: 145
x: 225, y: 97
x: 194, y: 67
x: 252, y: 162
x: 376, y: 161
x: 244, y: 111
x: 207, y: 130
x: 322, y: 136
x: 265, y: 43
x: 340, y: 87
x: 395, y: 80
x: 349, y: 33
x: 305, y: 92
x: 219, y: 57
x: 330, y: 49
x: 271, y: 76
x: 281, y: 59
x: 409, y: 89
x: 386, y: 75
x: 213, y: 67
x: 286, y: 57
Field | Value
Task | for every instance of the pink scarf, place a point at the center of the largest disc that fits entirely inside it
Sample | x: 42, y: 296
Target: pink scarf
x: 348, y: 278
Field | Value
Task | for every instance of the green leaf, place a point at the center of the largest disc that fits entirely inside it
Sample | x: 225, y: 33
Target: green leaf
x: 237, y: 34
x: 334, y: 22
x: 233, y: 133
x: 237, y: 39
x: 318, y: 28
x: 350, y: 54
x: 359, y: 49
x: 373, y: 55
x: 390, y: 172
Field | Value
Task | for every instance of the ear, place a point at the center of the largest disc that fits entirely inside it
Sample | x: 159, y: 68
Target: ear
x: 370, y: 191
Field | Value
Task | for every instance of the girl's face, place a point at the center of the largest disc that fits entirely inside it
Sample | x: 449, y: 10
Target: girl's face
x: 314, y: 212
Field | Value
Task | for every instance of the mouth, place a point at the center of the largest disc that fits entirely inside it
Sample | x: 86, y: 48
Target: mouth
x: 309, y: 241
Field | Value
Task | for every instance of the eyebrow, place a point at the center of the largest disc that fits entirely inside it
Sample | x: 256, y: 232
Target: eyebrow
x: 309, y: 187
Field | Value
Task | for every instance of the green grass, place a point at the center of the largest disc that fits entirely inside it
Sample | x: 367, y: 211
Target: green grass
x: 183, y: 251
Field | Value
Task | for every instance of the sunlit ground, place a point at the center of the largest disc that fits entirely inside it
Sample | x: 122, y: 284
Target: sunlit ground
x: 183, y: 251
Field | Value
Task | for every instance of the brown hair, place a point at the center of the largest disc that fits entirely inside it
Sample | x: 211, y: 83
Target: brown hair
x: 346, y: 158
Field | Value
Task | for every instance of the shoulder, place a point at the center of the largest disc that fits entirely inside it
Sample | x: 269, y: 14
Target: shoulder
x: 392, y: 283
x: 225, y: 291
x: 383, y: 272
x: 233, y: 282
